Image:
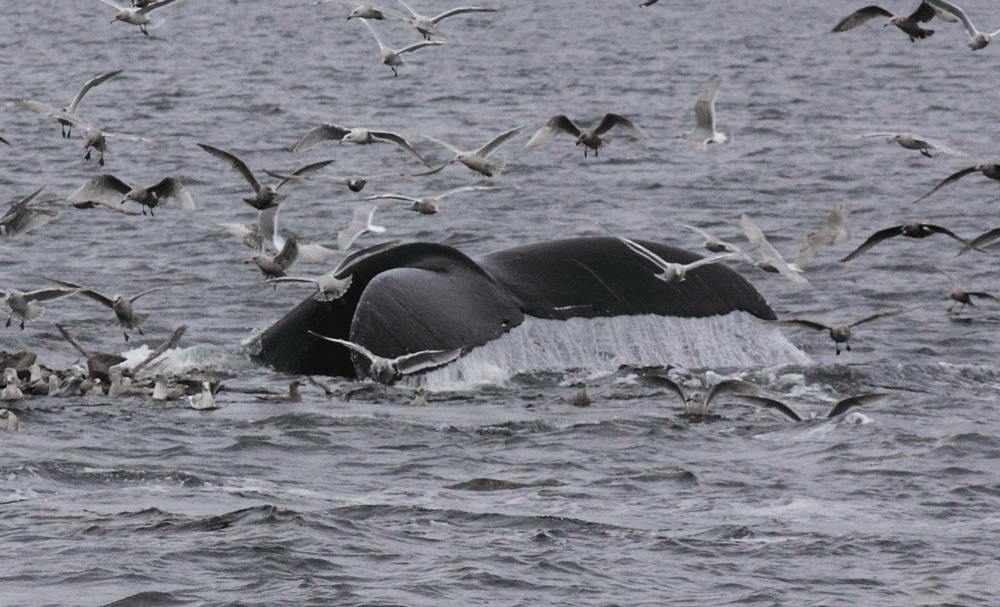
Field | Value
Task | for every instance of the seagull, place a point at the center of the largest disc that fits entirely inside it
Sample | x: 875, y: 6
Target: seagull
x: 98, y: 363
x: 425, y: 25
x: 8, y: 421
x: 391, y: 57
x: 387, y: 371
x: 841, y: 407
x: 959, y: 295
x: 908, y: 23
x: 265, y: 235
x: 770, y: 259
x: 477, y: 160
x: 265, y: 196
x: 913, y: 142
x: 361, y: 223
x: 696, y: 404
x: 328, y: 286
x: 581, y: 398
x: 205, y: 401
x: 988, y: 169
x: 104, y: 204
x: 588, y: 138
x: 427, y: 205
x: 358, y: 134
x: 23, y: 216
x: 839, y: 333
x: 151, y: 197
x: 912, y: 229
x: 834, y: 231
x: 670, y: 271
x: 355, y: 183
x: 711, y: 243
x: 19, y: 302
x: 11, y: 387
x: 979, y: 39
x: 368, y: 11
x: 276, y: 266
x: 119, y: 304
x: 67, y: 126
x: 704, y: 131
x: 293, y: 396
x: 93, y: 137
x: 139, y: 14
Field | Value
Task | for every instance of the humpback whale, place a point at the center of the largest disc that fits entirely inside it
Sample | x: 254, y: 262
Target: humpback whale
x: 427, y: 296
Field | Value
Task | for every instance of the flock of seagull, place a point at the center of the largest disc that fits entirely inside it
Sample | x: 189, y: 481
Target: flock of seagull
x: 264, y: 235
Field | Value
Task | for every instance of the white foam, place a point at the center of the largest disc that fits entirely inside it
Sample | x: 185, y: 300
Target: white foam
x: 736, y: 340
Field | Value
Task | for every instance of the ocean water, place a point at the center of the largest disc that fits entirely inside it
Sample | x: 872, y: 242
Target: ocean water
x: 499, y: 491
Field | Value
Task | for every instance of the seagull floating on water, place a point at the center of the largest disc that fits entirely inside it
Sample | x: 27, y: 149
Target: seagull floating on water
x: 358, y: 134
x: 912, y: 229
x: 588, y: 138
x: 9, y: 421
x: 388, y: 370
x: 834, y: 231
x: 839, y: 333
x: 265, y: 195
x: 704, y: 131
x: 696, y: 404
x: 138, y: 14
x: 910, y: 24
x: 988, y: 169
x: 150, y: 197
x: 978, y: 39
x: 478, y: 160
x: 391, y: 57
x: 426, y: 25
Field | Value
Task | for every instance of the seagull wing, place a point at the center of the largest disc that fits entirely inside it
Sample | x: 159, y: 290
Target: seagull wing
x: 772, y: 403
x: 89, y: 85
x: 349, y: 344
x: 861, y: 399
x: 460, y: 10
x: 410, y: 10
x: 298, y: 173
x: 623, y: 124
x: 873, y: 240
x: 924, y: 13
x: 148, y: 291
x: 419, y: 45
x: 98, y: 186
x: 983, y: 239
x: 947, y: 232
x: 90, y: 204
x: 47, y: 110
x: 730, y: 386
x: 288, y: 254
x: 662, y: 381
x: 234, y: 162
x: 875, y: 316
x: 447, y: 145
x: 168, y: 187
x: 89, y: 293
x: 47, y: 294
x: 459, y: 190
x: 802, y: 322
x: 27, y: 199
x: 949, y: 179
x: 553, y: 127
x: 400, y: 141
x: 155, y: 5
x: 427, y: 359
x: 704, y: 107
x: 642, y: 251
x: 110, y: 3
x: 322, y: 132
x: 500, y: 140
x: 984, y: 295
x: 861, y: 16
x: 954, y: 10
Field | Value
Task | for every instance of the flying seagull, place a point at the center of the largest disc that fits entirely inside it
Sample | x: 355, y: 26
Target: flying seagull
x: 589, y: 138
x: 910, y: 24
x: 704, y: 131
x: 912, y: 229
x: 93, y: 137
x: 150, y: 197
x: 979, y: 39
x: 768, y: 258
x: 710, y: 242
x: 67, y: 126
x: 988, y: 169
x: 834, y: 231
x: 391, y: 57
x: 139, y: 14
x: 670, y: 271
x: 959, y: 295
x: 119, y: 304
x: 360, y: 223
x: 23, y: 215
x: 358, y: 134
x: 839, y: 333
x: 386, y: 370
x: 426, y: 25
x: 478, y: 160
x: 19, y: 302
x: 265, y: 195
x: 913, y: 142
x: 427, y: 205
